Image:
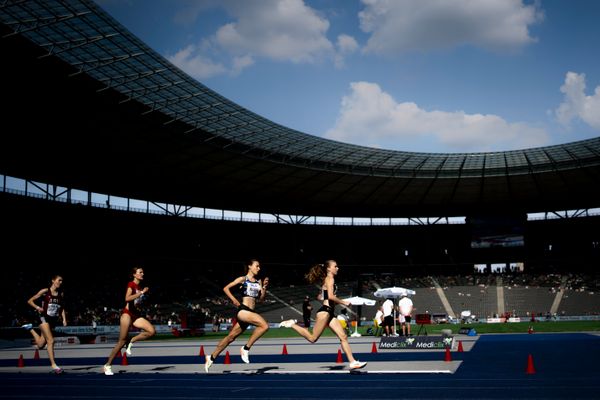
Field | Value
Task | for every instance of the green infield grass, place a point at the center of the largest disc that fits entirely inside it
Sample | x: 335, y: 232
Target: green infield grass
x: 435, y: 329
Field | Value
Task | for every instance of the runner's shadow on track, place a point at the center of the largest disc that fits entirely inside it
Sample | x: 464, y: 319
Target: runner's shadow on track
x: 334, y: 368
x: 258, y: 371
x: 162, y: 368
x: 264, y: 370
x: 84, y: 368
x: 343, y: 368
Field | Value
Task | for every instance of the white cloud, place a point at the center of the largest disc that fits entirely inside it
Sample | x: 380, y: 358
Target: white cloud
x: 369, y: 116
x: 194, y: 63
x: 239, y: 63
x: 346, y: 44
x: 576, y: 104
x: 279, y: 30
x: 406, y: 25
x: 190, y: 10
x: 282, y: 30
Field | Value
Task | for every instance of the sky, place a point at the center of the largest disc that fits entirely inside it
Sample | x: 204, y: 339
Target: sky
x: 435, y: 76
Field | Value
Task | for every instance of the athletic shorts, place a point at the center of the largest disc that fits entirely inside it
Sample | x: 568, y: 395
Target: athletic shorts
x: 328, y: 309
x: 243, y: 307
x: 133, y: 315
x: 52, y: 321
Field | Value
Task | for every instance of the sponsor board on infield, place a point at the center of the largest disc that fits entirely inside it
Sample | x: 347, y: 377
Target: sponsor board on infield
x: 416, y: 342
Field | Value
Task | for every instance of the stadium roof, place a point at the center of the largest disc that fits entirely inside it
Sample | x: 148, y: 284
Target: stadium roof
x: 90, y: 106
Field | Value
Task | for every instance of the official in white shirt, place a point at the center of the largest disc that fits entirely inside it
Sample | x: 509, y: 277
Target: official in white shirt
x: 406, y: 308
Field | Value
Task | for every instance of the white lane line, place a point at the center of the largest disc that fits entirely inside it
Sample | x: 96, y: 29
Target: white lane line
x: 424, y: 371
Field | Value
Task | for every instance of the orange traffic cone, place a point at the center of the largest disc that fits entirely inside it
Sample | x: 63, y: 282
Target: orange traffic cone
x: 339, y: 360
x: 448, y: 357
x: 124, y: 359
x: 460, y: 346
x: 36, y: 355
x: 202, y: 352
x: 374, y: 348
x: 284, y: 351
x: 530, y: 367
x: 227, y: 358
x: 20, y: 363
x: 119, y: 355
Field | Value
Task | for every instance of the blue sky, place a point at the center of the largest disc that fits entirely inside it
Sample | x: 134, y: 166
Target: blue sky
x: 428, y: 76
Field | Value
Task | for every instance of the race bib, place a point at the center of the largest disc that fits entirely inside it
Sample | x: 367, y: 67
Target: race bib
x: 53, y: 310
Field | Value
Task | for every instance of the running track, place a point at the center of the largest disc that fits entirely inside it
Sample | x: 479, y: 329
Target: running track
x: 492, y: 367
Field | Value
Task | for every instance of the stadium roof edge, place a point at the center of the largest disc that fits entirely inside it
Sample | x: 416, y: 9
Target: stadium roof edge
x: 198, y: 130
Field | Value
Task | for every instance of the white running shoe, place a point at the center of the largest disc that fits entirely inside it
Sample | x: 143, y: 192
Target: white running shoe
x: 208, y: 363
x: 244, y: 354
x: 108, y: 370
x: 357, y: 364
x: 288, y: 323
x: 57, y: 370
x: 27, y: 326
x: 128, y: 349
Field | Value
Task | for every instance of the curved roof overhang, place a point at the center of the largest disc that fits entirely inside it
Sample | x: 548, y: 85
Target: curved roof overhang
x: 92, y: 107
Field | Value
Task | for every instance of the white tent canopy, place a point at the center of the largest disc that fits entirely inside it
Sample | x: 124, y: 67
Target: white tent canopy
x: 360, y: 301
x: 394, y: 292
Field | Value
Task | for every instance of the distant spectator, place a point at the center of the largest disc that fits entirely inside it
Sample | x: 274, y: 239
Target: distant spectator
x: 405, y: 305
x: 216, y: 323
x: 306, y: 311
x: 388, y: 318
x: 378, y: 321
x: 344, y: 320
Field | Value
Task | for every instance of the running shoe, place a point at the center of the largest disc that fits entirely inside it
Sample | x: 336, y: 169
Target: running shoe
x: 357, y: 364
x: 244, y: 354
x: 208, y: 363
x: 27, y: 326
x: 128, y: 349
x: 57, y: 370
x: 288, y: 323
x: 108, y: 370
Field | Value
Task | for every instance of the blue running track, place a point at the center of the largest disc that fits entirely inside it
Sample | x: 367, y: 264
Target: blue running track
x: 567, y: 367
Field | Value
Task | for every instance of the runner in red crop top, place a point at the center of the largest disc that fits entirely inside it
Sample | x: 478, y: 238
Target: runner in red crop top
x: 131, y: 316
x: 131, y: 306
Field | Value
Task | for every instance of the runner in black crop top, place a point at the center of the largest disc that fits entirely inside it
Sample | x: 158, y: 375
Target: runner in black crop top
x: 325, y: 293
x: 251, y: 290
x: 328, y: 307
x: 52, y: 312
x: 325, y: 274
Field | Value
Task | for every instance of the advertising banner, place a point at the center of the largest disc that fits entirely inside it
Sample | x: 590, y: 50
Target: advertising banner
x: 416, y: 342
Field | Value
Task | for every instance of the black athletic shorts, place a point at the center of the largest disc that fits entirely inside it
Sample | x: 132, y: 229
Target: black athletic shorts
x: 243, y: 307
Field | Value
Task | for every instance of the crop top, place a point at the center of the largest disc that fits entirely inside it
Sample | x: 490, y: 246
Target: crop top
x: 251, y: 289
x: 325, y: 294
